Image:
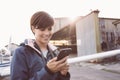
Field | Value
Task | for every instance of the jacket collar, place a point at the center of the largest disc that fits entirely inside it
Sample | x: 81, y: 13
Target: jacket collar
x: 31, y: 43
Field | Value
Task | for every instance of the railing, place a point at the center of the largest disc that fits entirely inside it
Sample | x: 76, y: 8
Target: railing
x: 4, y: 59
x: 4, y: 65
x: 94, y: 56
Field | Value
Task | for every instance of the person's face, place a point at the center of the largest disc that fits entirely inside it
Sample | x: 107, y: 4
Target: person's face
x: 43, y: 35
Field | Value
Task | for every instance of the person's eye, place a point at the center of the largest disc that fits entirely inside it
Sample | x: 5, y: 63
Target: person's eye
x: 42, y: 29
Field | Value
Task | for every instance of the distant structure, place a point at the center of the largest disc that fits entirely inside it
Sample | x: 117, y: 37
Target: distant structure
x: 87, y: 34
x: 4, y: 51
x: 11, y: 47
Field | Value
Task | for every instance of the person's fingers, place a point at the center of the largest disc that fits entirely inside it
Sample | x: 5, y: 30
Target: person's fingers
x: 54, y: 59
x: 63, y: 60
x: 64, y: 72
x: 60, y: 66
x: 55, y: 66
x: 65, y: 67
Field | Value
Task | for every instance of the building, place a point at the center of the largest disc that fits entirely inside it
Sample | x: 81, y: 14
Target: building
x: 87, y: 34
x: 11, y: 47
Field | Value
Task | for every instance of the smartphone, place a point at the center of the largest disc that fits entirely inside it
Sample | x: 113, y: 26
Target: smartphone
x: 63, y: 53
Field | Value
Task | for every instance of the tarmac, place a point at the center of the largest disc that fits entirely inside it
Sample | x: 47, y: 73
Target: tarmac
x: 106, y: 71
x: 113, y: 67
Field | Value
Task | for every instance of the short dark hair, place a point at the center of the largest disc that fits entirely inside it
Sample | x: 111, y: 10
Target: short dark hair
x: 41, y: 19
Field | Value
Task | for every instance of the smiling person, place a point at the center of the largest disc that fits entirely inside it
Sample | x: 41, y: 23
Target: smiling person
x: 36, y: 59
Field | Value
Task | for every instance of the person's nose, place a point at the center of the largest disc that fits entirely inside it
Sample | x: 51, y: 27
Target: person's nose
x: 46, y: 32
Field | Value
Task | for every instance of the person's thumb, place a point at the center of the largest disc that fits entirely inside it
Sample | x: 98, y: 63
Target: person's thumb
x: 53, y: 59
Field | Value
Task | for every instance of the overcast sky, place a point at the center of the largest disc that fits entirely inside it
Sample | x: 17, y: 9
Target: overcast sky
x: 15, y: 14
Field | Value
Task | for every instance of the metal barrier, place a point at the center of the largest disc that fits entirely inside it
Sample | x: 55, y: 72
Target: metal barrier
x: 94, y: 56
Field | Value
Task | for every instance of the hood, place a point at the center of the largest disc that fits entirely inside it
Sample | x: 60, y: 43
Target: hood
x: 30, y: 43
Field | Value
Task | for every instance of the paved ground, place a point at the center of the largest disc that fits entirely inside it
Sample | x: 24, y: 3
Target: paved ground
x: 89, y: 71
x: 95, y: 71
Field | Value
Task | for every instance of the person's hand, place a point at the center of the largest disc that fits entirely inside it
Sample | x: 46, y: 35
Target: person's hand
x: 64, y: 70
x: 56, y: 66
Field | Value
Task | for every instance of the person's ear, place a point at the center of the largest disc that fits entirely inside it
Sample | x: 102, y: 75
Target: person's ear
x: 33, y: 29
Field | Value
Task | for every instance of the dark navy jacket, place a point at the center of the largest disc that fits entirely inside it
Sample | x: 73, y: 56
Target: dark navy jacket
x: 29, y: 64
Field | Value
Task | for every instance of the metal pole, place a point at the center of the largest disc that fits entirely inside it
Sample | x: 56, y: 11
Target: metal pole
x: 1, y: 58
x: 93, y: 56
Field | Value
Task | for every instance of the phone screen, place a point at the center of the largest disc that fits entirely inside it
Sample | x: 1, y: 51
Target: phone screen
x: 63, y: 53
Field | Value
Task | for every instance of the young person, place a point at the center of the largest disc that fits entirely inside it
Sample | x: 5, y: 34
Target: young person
x: 36, y: 59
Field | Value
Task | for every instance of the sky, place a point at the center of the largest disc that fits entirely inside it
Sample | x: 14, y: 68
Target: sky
x: 15, y: 14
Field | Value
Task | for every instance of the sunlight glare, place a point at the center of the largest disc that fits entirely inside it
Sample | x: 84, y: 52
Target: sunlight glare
x: 72, y: 18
